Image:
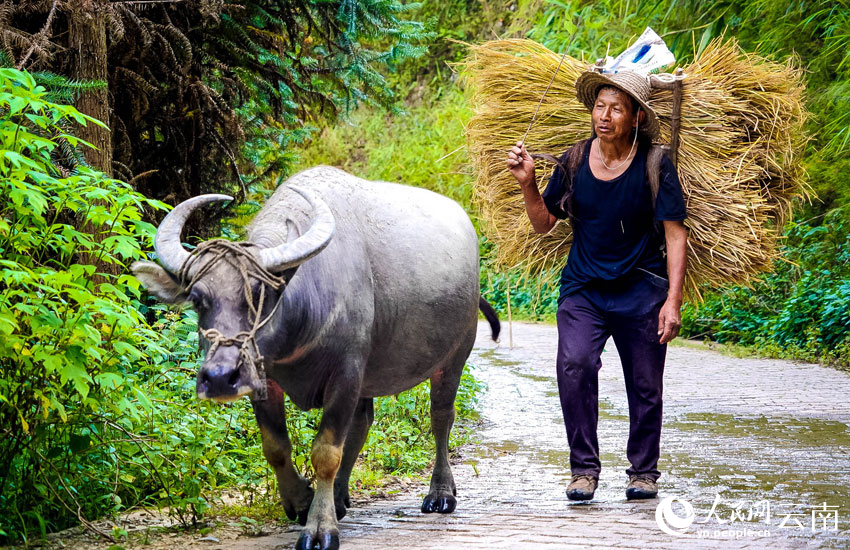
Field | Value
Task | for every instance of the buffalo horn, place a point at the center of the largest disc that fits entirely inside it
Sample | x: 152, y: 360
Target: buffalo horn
x: 167, y: 243
x: 306, y: 246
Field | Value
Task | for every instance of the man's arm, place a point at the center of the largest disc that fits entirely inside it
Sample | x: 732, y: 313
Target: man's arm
x: 670, y: 318
x: 521, y: 166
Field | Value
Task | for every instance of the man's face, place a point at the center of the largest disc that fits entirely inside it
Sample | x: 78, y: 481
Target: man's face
x: 613, y: 115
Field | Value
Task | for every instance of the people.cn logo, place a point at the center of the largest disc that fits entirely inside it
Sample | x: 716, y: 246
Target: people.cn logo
x: 670, y: 522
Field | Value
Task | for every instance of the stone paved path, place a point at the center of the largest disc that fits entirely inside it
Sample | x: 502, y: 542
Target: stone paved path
x: 737, y: 432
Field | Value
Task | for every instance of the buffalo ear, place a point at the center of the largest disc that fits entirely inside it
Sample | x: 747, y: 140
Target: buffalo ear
x: 158, y: 282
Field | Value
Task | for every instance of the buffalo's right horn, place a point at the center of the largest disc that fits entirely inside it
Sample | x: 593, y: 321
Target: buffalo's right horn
x: 167, y: 243
x: 306, y: 246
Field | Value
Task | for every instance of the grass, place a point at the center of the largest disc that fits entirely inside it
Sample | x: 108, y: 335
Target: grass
x: 425, y: 147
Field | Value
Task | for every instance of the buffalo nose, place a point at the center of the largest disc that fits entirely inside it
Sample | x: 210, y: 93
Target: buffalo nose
x: 219, y: 382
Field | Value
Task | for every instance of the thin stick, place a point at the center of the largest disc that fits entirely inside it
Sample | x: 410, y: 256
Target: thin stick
x: 546, y: 91
x: 510, y: 320
x: 447, y: 155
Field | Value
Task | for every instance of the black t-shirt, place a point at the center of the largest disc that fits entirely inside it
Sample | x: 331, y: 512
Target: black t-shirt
x: 613, y: 228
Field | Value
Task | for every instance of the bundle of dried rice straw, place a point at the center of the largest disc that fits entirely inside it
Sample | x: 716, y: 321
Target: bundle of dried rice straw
x: 740, y: 153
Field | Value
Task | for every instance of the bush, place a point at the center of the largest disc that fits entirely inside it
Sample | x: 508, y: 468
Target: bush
x: 96, y: 414
x: 800, y: 310
x: 70, y: 336
x: 97, y: 408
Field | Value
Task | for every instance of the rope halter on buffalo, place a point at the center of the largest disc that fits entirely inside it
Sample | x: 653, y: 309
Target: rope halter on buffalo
x: 238, y: 255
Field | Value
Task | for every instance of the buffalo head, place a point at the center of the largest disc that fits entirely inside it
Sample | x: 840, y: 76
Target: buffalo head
x: 231, y: 286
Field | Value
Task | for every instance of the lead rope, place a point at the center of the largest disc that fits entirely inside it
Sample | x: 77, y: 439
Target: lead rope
x: 237, y: 255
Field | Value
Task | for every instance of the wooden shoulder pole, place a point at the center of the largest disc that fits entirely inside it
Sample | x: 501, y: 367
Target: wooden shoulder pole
x: 674, y: 83
x: 676, y: 117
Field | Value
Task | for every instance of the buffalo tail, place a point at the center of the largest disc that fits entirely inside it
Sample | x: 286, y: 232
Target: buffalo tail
x: 491, y: 316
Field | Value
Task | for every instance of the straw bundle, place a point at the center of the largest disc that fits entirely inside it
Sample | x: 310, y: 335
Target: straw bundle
x: 740, y: 152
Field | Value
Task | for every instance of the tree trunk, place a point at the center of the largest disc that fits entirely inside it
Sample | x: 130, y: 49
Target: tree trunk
x: 87, y: 45
x: 87, y: 40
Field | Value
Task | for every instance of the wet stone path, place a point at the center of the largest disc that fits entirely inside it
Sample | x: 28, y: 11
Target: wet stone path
x: 759, y: 448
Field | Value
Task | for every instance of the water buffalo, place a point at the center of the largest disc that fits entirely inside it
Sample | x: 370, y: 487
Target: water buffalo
x: 345, y: 290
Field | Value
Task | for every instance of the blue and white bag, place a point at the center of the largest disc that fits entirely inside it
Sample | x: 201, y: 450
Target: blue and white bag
x: 649, y: 53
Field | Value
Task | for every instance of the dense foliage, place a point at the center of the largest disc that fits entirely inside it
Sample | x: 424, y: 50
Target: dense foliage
x: 70, y: 336
x: 801, y: 309
x: 212, y: 95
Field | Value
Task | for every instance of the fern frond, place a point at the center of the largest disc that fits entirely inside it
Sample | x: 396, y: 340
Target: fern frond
x: 180, y: 44
x: 53, y: 81
x: 115, y: 23
x: 166, y: 52
x: 138, y: 25
x: 137, y: 79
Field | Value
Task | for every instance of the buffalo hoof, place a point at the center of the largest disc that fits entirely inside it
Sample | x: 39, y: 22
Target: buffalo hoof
x: 443, y: 504
x: 322, y: 541
x: 300, y: 515
x: 297, y: 507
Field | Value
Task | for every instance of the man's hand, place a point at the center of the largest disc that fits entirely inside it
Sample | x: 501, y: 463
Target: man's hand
x: 521, y: 164
x: 669, y: 320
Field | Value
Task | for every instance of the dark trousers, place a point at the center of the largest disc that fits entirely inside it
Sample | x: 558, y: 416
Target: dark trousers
x: 586, y: 319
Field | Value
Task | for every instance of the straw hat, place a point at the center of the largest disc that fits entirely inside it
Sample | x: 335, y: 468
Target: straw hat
x: 634, y: 84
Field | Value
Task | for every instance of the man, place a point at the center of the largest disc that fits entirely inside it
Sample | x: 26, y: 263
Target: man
x: 618, y: 281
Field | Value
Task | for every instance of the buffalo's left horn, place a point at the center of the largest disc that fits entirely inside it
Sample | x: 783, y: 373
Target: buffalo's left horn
x: 167, y: 243
x: 306, y: 246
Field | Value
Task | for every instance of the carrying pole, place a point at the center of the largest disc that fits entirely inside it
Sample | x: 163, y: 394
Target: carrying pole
x: 674, y: 83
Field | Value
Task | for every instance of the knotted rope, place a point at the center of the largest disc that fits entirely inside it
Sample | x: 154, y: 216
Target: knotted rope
x: 238, y: 256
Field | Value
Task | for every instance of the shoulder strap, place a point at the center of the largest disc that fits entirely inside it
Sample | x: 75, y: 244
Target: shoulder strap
x: 653, y: 174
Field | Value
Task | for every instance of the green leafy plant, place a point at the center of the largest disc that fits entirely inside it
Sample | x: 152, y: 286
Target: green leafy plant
x: 800, y: 310
x: 97, y: 407
x: 69, y: 335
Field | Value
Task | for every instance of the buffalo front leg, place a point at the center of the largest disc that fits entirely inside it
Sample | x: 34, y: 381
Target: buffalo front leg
x: 364, y: 415
x: 340, y: 401
x: 295, y: 492
x: 444, y: 384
